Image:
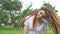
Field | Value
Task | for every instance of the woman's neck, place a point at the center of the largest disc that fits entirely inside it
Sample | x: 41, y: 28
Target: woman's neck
x: 38, y: 22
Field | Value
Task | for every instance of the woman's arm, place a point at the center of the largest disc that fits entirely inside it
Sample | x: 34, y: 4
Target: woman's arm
x: 26, y: 23
x: 25, y: 29
x: 45, y: 27
x: 45, y: 31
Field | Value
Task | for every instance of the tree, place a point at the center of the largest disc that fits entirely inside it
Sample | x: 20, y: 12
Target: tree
x: 1, y: 1
x: 3, y: 17
x: 49, y: 6
x: 12, y: 7
x: 24, y: 14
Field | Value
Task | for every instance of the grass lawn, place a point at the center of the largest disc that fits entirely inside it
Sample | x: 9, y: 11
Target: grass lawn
x: 10, y: 31
x: 15, y: 31
x: 50, y: 32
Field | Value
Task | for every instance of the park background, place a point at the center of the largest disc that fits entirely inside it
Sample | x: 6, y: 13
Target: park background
x: 12, y: 13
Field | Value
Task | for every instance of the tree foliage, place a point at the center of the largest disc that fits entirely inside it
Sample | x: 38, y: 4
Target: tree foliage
x: 49, y: 6
x: 11, y: 5
x: 3, y: 17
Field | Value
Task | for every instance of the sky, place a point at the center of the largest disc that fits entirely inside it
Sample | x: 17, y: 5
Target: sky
x: 36, y: 4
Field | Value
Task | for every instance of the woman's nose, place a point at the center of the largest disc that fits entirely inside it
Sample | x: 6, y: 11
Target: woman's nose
x: 40, y: 15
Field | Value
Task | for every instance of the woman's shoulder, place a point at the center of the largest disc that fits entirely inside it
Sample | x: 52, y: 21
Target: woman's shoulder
x: 29, y: 16
x: 44, y: 21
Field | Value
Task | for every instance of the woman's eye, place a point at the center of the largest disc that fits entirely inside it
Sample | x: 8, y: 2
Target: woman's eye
x: 41, y: 13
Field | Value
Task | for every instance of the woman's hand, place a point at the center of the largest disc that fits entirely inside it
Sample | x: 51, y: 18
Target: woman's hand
x: 25, y: 29
x: 45, y: 31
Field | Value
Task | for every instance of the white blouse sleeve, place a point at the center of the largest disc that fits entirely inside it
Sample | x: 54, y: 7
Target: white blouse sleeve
x: 26, y: 21
x: 45, y: 26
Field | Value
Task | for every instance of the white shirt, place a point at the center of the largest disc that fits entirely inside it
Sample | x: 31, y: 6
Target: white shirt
x: 29, y: 22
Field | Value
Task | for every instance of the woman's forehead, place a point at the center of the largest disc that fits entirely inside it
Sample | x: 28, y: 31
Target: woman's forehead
x: 41, y: 11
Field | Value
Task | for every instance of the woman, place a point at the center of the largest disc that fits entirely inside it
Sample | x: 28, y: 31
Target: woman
x: 37, y: 23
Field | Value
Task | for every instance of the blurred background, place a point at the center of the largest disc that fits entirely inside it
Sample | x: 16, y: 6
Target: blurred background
x: 12, y: 13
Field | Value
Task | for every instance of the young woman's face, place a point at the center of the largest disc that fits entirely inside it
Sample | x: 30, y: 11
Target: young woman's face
x: 40, y: 13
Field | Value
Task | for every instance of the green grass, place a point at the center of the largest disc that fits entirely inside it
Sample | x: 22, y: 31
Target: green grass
x: 16, y: 31
x: 10, y: 31
x: 50, y: 31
